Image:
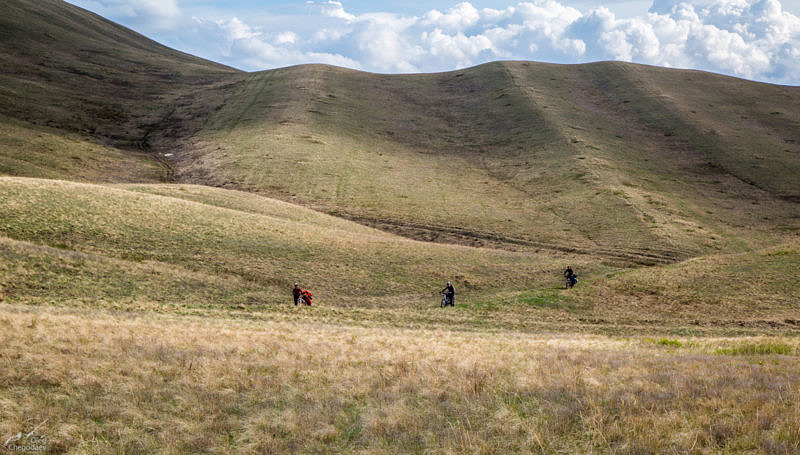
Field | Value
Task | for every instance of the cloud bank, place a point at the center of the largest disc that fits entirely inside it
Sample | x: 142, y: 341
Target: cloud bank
x: 753, y: 39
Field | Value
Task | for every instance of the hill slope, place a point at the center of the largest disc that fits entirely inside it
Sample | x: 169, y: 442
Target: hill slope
x: 636, y: 164
x: 219, y: 250
x: 627, y: 164
x: 77, y: 242
x: 68, y: 74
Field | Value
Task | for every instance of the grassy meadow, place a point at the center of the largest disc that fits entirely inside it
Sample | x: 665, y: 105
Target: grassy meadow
x: 102, y: 382
x: 69, y: 243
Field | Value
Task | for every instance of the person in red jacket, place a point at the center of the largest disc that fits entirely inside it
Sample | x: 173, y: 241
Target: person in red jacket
x: 306, y: 295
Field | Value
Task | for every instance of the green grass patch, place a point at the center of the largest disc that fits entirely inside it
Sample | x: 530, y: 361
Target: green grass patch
x: 757, y: 349
x: 539, y: 298
x: 542, y: 299
x: 665, y: 342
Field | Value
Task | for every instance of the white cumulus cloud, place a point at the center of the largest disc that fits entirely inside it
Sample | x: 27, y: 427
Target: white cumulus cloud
x: 457, y: 18
x: 336, y: 10
x: 755, y: 39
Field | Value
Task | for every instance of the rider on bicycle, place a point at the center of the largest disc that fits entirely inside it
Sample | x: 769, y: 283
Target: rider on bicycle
x: 570, y: 276
x: 450, y: 292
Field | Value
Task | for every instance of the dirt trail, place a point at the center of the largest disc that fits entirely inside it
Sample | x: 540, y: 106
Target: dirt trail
x: 460, y: 236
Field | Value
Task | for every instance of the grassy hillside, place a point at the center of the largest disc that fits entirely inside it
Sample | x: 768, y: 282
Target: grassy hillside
x: 737, y: 129
x: 635, y: 165
x: 183, y: 247
x: 94, y: 242
x: 611, y: 159
x: 608, y: 163
x: 42, y: 152
x: 756, y: 289
x: 67, y: 72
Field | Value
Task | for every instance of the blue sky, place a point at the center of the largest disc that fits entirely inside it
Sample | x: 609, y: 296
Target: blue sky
x: 752, y: 39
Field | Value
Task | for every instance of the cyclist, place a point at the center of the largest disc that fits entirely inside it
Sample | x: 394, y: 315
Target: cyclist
x: 450, y: 292
x: 571, y: 277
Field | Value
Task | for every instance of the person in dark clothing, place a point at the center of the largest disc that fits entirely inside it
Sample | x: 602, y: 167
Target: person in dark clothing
x: 296, y: 293
x: 569, y: 274
x: 450, y: 292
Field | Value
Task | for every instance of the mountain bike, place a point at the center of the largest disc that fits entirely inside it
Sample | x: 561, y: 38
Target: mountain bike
x: 571, y: 281
x: 445, y: 301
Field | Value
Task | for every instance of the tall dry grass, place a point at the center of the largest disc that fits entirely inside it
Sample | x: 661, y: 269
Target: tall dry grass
x: 110, y: 382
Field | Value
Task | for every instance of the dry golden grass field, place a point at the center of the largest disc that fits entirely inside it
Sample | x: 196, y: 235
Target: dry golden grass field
x: 141, y: 382
x: 155, y: 209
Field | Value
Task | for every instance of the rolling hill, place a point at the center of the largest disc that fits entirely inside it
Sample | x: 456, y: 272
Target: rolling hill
x: 617, y: 164
x: 86, y: 240
x: 522, y: 154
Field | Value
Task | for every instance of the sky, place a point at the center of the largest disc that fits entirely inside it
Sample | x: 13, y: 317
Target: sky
x: 751, y: 39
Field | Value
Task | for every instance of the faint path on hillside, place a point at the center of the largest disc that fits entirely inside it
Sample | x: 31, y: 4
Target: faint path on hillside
x: 478, y: 239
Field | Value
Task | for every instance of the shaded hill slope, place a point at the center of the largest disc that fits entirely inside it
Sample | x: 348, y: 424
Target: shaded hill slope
x: 637, y: 164
x: 64, y: 70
